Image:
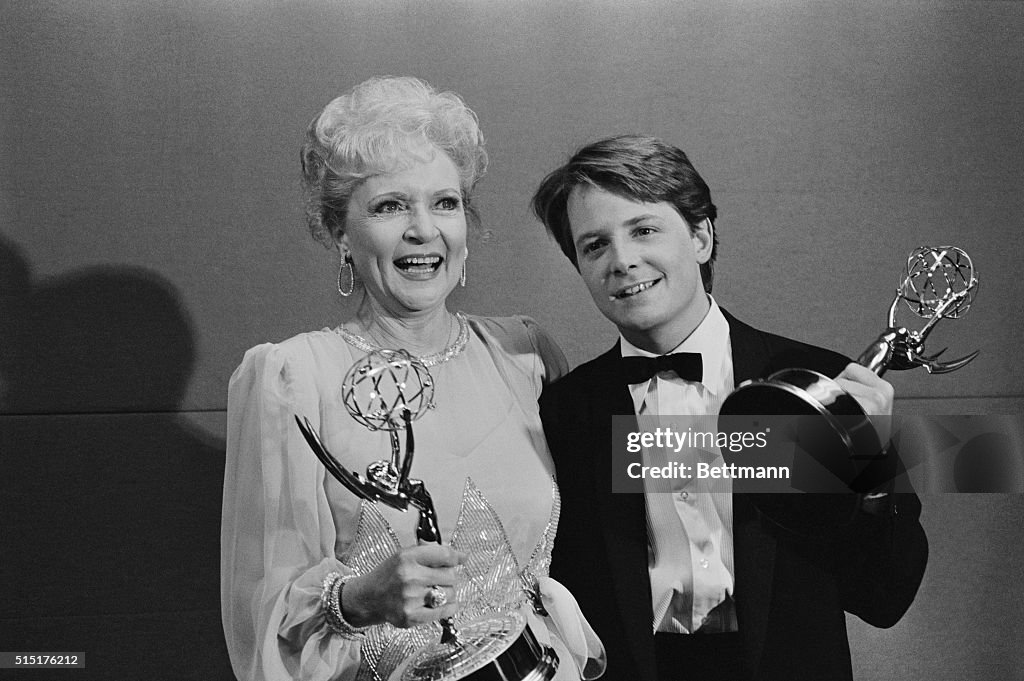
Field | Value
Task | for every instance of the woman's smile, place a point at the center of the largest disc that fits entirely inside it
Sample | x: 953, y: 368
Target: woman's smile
x: 419, y: 267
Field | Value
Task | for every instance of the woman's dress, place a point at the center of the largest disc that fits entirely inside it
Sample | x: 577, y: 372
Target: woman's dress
x: 287, y: 525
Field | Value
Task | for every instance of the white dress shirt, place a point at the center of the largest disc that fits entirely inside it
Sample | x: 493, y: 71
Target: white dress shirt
x: 689, y: 526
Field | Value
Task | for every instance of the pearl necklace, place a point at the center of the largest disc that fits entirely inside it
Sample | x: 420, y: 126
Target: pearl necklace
x: 360, y: 343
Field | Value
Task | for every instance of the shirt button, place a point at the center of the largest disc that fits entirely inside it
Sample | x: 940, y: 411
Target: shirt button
x: 704, y: 562
x: 684, y: 495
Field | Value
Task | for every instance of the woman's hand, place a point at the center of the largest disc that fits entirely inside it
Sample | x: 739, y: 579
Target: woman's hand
x: 396, y: 590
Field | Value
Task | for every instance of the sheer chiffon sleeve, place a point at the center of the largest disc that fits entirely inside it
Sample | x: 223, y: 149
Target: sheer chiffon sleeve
x: 570, y: 633
x: 553, y: 364
x: 277, y: 533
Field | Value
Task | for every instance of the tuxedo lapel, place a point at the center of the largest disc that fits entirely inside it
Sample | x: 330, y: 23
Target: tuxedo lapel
x: 623, y: 518
x: 753, y: 549
x: 750, y: 355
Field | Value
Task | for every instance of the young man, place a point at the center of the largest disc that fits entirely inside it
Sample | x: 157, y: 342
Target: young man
x: 698, y: 584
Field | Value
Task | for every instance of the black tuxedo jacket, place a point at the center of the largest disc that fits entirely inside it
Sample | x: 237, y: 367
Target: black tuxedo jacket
x: 791, y: 589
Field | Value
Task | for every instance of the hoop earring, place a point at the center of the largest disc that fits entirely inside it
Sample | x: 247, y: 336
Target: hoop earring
x: 462, y: 279
x: 346, y: 272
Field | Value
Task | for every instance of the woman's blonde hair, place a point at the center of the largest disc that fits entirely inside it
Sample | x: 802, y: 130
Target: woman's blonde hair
x: 379, y: 127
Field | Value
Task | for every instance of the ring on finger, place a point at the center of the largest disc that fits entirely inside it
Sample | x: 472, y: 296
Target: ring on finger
x: 436, y: 597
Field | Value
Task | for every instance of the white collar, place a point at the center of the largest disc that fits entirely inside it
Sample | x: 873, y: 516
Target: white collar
x: 710, y: 339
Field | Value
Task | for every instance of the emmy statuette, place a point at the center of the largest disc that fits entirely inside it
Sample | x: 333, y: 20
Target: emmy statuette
x: 937, y: 283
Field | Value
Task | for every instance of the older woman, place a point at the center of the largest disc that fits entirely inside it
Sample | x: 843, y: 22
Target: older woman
x: 317, y: 584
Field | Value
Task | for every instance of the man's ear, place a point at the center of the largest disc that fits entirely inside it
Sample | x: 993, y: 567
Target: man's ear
x: 703, y: 234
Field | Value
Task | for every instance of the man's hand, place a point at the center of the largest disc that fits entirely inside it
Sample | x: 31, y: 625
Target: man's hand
x: 874, y: 395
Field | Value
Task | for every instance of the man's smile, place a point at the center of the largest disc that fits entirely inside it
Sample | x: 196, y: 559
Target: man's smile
x: 634, y: 289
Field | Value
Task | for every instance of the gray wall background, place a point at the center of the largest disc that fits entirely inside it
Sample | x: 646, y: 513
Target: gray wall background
x: 151, y: 231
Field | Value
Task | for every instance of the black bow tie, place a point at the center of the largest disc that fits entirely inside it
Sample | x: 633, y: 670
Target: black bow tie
x: 688, y: 366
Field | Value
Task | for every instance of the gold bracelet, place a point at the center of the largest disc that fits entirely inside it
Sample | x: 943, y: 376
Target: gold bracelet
x: 330, y: 600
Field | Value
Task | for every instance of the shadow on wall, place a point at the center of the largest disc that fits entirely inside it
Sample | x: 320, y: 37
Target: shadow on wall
x: 111, y: 501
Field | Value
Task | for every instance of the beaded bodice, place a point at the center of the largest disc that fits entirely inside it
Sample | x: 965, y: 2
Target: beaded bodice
x: 492, y: 581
